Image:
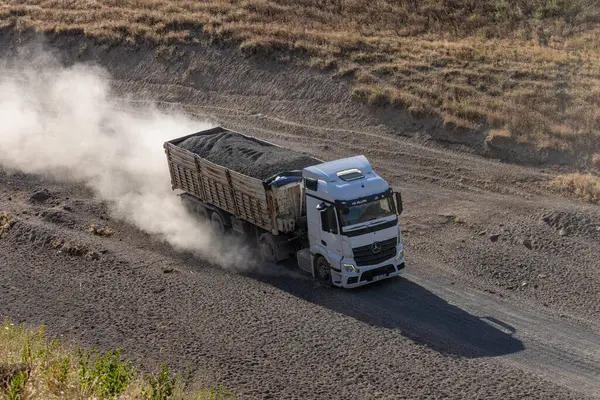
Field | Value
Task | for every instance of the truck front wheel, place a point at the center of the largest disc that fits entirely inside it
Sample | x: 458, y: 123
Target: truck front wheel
x: 323, y: 271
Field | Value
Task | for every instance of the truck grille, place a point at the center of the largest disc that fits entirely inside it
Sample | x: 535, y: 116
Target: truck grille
x: 364, y: 255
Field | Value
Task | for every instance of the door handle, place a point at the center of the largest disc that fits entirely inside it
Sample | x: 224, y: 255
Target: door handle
x: 324, y: 243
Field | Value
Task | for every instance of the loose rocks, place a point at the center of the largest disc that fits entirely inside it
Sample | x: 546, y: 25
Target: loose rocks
x: 569, y: 223
x: 40, y: 196
x: 247, y: 156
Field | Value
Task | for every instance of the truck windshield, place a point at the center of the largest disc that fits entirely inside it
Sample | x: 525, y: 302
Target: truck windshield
x: 366, y: 212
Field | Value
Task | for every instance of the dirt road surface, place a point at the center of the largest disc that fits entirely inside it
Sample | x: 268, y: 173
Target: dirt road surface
x: 500, y: 299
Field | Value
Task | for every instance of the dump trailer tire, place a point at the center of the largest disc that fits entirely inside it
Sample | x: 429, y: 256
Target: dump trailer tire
x: 187, y: 204
x: 268, y: 250
x: 218, y: 223
x: 202, y: 213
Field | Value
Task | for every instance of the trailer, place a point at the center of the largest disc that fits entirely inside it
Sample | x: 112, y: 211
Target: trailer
x: 338, y: 219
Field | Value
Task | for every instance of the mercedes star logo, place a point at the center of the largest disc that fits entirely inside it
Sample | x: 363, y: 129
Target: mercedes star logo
x: 376, y: 247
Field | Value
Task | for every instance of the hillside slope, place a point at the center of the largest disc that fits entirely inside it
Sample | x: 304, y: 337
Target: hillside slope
x: 514, y: 78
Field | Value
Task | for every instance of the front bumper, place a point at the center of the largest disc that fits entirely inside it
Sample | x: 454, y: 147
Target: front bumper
x: 374, y: 273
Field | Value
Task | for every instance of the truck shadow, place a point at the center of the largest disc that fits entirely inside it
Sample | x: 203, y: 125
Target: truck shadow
x: 414, y: 311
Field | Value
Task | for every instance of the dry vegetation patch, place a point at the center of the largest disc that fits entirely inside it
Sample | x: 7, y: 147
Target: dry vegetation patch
x: 33, y: 366
x: 585, y: 186
x: 596, y: 160
x: 6, y: 222
x: 100, y: 230
x: 530, y: 67
x: 73, y: 248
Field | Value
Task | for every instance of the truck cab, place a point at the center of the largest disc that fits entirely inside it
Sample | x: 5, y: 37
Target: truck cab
x: 352, y: 224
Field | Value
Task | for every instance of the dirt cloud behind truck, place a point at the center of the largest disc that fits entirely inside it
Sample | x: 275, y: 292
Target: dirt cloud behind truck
x: 63, y: 122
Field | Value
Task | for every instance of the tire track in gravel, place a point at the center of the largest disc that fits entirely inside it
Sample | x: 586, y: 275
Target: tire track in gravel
x: 421, y: 163
x: 458, y: 320
x: 417, y: 168
x: 555, y: 348
x: 436, y: 153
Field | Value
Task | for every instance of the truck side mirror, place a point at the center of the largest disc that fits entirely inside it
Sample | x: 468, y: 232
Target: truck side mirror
x: 399, y: 205
x: 322, y: 206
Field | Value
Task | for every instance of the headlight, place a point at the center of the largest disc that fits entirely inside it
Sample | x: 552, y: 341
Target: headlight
x: 399, y: 236
x: 400, y: 255
x: 350, y: 268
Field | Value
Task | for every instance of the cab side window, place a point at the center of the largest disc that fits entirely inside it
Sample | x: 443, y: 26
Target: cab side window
x: 328, y: 221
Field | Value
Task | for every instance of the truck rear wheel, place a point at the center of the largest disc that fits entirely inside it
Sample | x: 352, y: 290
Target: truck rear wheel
x: 217, y: 223
x: 187, y: 204
x: 202, y: 213
x: 323, y: 271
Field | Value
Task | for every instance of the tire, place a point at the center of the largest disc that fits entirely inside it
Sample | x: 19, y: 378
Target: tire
x: 323, y: 271
x: 267, y: 251
x: 202, y: 213
x: 217, y: 223
x: 187, y: 204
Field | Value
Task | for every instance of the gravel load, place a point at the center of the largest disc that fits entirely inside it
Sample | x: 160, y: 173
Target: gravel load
x: 247, y: 156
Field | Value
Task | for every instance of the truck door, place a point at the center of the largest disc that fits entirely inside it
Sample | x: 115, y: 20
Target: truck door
x: 323, y: 228
x: 314, y: 222
x: 330, y: 235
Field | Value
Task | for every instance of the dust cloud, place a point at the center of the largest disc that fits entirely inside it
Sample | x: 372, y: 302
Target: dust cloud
x: 63, y: 121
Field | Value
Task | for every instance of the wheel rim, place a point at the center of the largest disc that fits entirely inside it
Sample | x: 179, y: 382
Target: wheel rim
x: 322, y: 270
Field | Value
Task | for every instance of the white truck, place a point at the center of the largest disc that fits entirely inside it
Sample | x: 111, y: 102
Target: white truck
x: 338, y: 219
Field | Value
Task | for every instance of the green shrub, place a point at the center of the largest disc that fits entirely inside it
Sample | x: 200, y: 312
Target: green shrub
x: 501, y: 11
x: 216, y: 394
x: 553, y: 9
x: 17, y: 386
x: 107, y: 376
x: 160, y: 387
x: 46, y: 369
x: 58, y: 374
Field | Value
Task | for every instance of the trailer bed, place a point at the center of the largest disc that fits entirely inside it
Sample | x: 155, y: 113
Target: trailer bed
x: 238, y: 182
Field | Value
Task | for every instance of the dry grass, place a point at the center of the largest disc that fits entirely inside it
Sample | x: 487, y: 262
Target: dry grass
x: 6, y: 222
x: 596, y: 160
x: 498, y: 137
x: 530, y: 67
x: 33, y: 367
x: 101, y: 230
x: 585, y: 186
